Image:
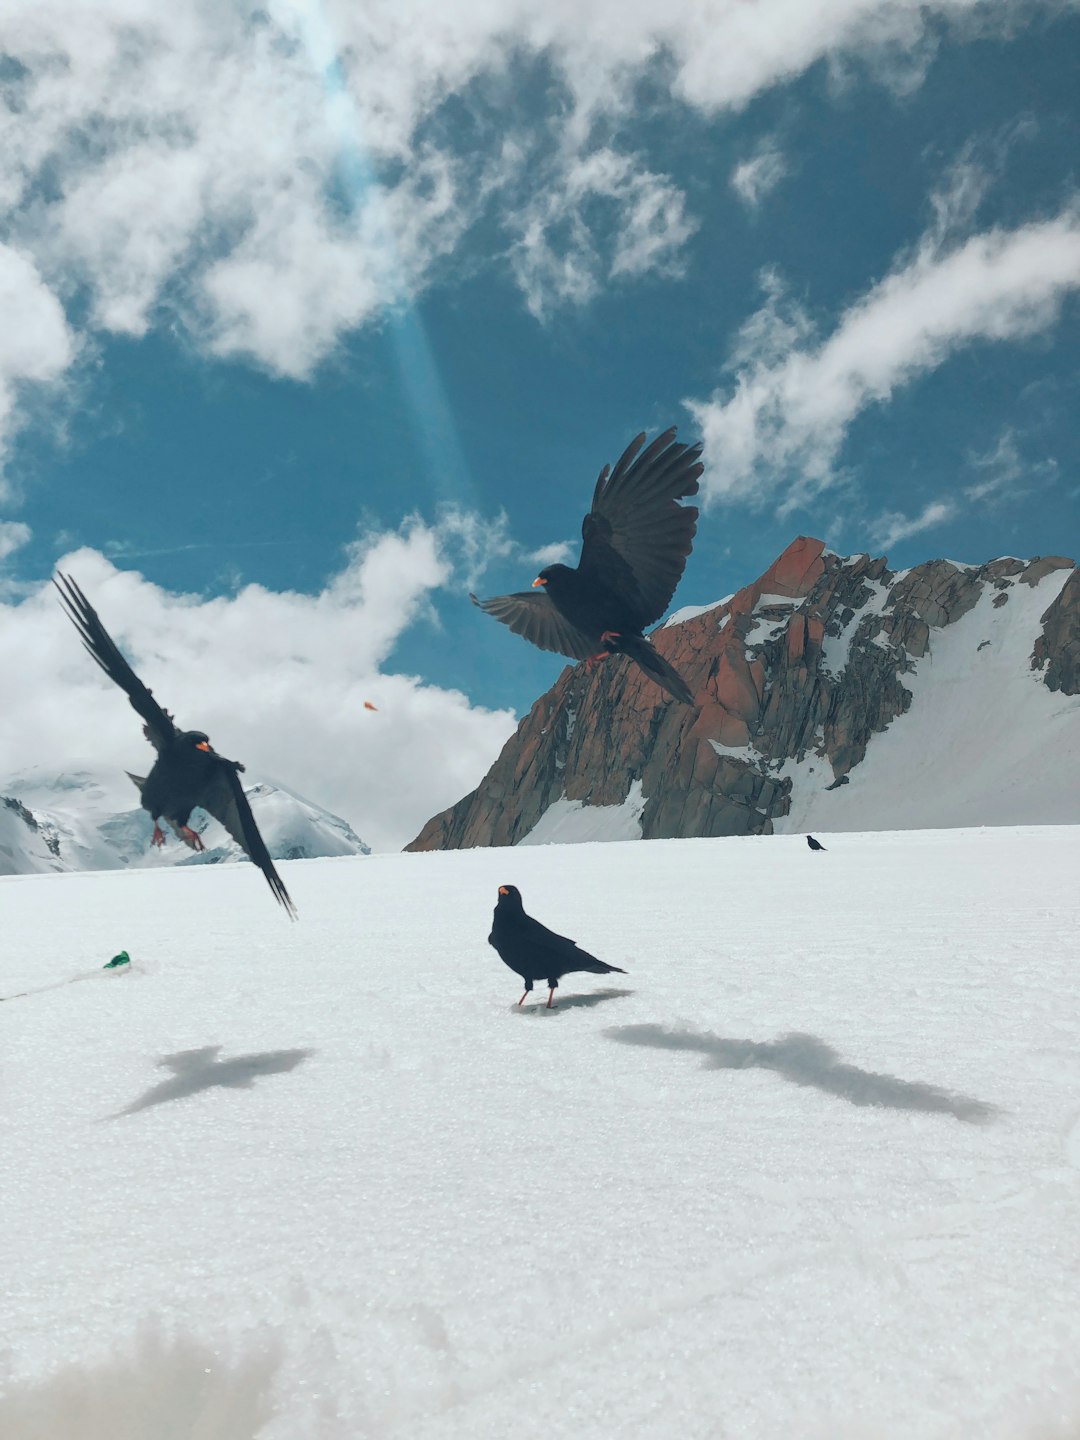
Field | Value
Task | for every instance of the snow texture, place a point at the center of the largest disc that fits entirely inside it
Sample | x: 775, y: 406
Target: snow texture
x: 810, y: 1169
x: 984, y: 742
x: 570, y: 822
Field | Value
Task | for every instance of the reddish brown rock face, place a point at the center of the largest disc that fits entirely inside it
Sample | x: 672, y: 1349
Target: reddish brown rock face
x: 814, y: 667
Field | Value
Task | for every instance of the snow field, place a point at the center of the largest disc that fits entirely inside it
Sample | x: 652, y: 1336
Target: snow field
x: 816, y: 1175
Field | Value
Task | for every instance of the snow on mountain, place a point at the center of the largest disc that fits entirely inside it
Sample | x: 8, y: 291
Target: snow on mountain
x: 810, y: 1169
x: 77, y: 820
x: 831, y: 694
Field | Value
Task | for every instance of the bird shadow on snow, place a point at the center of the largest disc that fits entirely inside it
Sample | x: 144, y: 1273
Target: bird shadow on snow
x: 806, y: 1060
x: 195, y: 1070
x: 571, y: 1002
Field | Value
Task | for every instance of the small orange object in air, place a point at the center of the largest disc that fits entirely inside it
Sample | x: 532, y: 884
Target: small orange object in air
x: 369, y: 706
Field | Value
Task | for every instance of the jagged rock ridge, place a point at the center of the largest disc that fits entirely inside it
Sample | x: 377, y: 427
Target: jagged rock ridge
x: 797, y: 677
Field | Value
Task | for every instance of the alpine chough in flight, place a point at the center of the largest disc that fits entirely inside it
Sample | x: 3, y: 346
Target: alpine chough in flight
x: 534, y: 951
x: 635, y: 542
x: 187, y: 771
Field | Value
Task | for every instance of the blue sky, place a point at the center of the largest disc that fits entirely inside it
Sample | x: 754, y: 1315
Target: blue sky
x: 277, y: 282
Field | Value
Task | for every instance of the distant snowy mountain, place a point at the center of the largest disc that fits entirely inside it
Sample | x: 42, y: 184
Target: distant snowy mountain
x: 78, y: 820
x: 831, y: 694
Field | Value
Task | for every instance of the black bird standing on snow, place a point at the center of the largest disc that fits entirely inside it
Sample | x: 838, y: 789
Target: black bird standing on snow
x: 814, y: 844
x: 534, y: 951
x: 636, y: 539
x: 187, y: 771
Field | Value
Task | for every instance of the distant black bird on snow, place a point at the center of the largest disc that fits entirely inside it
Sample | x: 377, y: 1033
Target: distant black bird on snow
x: 814, y: 844
x: 636, y: 539
x: 187, y: 771
x: 534, y: 951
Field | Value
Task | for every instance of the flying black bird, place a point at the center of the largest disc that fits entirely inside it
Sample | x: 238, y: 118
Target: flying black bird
x: 635, y: 539
x: 814, y: 844
x: 534, y: 951
x: 187, y: 771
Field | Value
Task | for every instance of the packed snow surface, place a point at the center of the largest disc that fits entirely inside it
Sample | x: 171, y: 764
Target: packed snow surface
x: 811, y: 1169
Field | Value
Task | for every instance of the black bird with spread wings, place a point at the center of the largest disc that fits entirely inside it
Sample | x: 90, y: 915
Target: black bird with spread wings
x: 187, y: 771
x: 636, y: 539
x: 534, y: 951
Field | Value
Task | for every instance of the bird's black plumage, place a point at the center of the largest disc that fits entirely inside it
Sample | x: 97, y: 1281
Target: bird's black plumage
x: 187, y: 772
x: 635, y: 543
x: 814, y: 844
x: 534, y: 951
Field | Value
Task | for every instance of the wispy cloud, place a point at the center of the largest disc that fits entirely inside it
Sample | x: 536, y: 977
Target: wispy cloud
x: 1004, y: 474
x: 13, y: 535
x: 776, y: 432
x: 605, y: 217
x: 892, y: 526
x: 756, y: 177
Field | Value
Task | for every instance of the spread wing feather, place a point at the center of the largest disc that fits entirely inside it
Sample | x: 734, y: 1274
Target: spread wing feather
x: 223, y: 797
x: 531, y: 614
x: 159, y: 728
x: 637, y: 536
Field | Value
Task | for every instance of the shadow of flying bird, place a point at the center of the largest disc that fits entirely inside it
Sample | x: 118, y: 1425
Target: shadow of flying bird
x: 635, y: 542
x: 534, y: 951
x: 187, y: 772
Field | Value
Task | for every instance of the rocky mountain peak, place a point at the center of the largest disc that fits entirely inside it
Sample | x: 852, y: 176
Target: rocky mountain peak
x: 795, y: 676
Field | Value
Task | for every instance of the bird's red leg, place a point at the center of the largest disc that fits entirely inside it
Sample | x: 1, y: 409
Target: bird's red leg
x: 190, y: 838
x: 157, y: 838
x: 551, y: 996
x: 522, y: 1000
x: 604, y: 654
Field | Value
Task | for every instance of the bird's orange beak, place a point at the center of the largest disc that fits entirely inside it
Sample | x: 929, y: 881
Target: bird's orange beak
x: 503, y: 890
x: 538, y: 581
x: 202, y: 745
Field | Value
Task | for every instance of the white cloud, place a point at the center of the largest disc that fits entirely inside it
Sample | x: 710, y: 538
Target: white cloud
x: 892, y: 527
x: 12, y: 536
x: 271, y: 178
x: 560, y: 553
x: 776, y: 433
x: 36, y: 345
x: 758, y: 176
x: 1005, y: 474
x: 277, y: 679
x: 637, y: 222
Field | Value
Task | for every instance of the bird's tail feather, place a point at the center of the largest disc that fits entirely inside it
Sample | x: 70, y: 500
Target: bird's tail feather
x: 654, y: 665
x: 600, y: 967
x: 137, y: 780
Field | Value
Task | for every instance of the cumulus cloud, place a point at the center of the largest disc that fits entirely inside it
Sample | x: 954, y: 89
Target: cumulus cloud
x: 774, y: 435
x: 270, y: 178
x: 278, y: 680
x: 892, y: 526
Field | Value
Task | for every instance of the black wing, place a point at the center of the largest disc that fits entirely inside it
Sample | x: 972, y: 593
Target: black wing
x: 531, y: 614
x: 159, y: 728
x: 223, y: 797
x: 560, y: 954
x: 637, y: 536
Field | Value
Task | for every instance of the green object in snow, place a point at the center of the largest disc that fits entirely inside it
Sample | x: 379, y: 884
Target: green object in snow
x: 122, y: 959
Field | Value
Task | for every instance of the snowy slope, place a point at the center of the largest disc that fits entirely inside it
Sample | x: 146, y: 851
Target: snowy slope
x: 811, y: 1169
x: 93, y: 821
x: 983, y: 742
